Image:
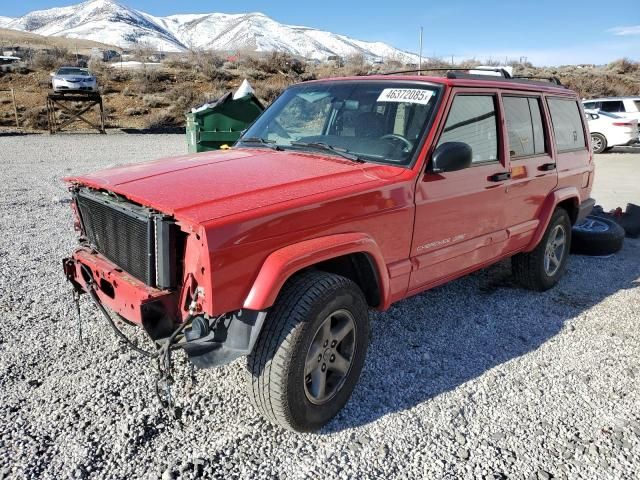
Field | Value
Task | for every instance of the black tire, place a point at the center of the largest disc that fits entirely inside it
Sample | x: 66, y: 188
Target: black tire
x: 597, y: 235
x: 530, y: 269
x: 277, y: 377
x: 599, y: 142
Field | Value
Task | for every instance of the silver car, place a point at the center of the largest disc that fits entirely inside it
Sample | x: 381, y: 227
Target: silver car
x: 73, y: 79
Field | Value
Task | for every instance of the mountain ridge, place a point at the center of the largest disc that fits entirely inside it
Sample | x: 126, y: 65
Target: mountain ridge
x: 111, y: 22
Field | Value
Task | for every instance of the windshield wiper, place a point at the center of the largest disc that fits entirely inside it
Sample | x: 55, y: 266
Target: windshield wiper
x: 330, y: 148
x: 266, y: 143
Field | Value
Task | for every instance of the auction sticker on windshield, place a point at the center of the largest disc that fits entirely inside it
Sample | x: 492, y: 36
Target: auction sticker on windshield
x: 406, y: 95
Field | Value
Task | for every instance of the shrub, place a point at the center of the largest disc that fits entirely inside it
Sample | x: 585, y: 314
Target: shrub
x: 136, y: 111
x: 356, y: 65
x: 52, y: 58
x: 162, y: 119
x: 210, y: 66
x: 154, y: 101
x: 624, y: 65
x: 276, y: 62
x: 271, y: 88
x: 150, y: 80
x: 183, y: 97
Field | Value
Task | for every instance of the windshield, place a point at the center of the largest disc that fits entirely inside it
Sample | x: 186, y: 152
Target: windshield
x: 73, y: 71
x: 371, y: 120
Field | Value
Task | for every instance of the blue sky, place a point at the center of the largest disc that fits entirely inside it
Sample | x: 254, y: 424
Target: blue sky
x: 547, y: 32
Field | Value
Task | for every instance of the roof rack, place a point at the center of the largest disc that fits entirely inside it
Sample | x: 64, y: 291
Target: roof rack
x: 459, y: 72
x: 504, y: 73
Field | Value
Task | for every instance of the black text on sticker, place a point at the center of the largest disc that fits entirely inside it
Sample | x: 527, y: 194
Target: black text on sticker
x: 405, y: 95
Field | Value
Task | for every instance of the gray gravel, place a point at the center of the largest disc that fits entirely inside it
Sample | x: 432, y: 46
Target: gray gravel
x: 476, y: 379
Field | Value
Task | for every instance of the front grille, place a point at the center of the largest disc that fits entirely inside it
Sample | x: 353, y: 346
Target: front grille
x: 120, y: 231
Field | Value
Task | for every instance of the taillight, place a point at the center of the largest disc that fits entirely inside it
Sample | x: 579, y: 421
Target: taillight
x: 622, y: 124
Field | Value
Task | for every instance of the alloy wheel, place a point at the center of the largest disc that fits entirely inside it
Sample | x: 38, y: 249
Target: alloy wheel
x: 554, y: 251
x: 329, y: 357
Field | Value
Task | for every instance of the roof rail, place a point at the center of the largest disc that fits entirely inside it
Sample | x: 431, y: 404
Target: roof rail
x: 504, y: 73
x: 551, y: 79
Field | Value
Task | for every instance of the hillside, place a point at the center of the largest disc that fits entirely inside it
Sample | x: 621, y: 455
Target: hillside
x: 32, y: 40
x: 114, y: 23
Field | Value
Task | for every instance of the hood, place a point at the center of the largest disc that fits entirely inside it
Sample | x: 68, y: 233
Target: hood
x: 207, y: 186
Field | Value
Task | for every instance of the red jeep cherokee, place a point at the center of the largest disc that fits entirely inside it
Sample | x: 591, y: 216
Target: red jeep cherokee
x: 346, y: 194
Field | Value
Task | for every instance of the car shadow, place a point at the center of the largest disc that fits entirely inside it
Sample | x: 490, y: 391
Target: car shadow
x: 434, y: 342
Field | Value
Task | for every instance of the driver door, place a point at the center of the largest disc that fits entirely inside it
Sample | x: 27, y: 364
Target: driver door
x: 460, y: 221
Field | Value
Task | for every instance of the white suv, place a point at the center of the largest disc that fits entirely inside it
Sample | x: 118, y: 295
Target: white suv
x: 628, y: 107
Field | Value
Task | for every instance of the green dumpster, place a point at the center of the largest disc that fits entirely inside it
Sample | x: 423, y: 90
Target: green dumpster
x: 221, y: 122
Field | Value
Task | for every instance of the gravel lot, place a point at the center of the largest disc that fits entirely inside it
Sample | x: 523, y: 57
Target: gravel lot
x: 476, y: 379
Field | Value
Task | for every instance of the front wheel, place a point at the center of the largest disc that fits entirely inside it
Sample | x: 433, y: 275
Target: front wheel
x: 310, y: 352
x: 543, y: 267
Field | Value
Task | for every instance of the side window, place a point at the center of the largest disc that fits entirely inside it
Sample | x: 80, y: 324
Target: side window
x: 612, y: 106
x: 472, y: 120
x: 592, y: 105
x: 524, y: 126
x: 567, y: 124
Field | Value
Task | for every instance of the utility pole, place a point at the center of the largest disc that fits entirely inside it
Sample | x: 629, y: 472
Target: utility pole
x: 420, y: 62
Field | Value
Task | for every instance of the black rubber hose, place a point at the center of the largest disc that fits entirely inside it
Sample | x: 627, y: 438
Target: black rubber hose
x: 96, y: 300
x: 94, y: 296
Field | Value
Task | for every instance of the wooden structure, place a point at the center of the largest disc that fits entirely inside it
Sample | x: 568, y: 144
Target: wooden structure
x: 61, y: 102
x: 15, y: 107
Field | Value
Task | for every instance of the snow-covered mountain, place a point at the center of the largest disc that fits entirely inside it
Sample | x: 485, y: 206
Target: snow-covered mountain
x: 111, y: 22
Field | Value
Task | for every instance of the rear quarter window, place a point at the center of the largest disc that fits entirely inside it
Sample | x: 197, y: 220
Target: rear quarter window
x: 567, y: 124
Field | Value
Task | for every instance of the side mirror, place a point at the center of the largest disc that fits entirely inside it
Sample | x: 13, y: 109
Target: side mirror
x: 451, y: 156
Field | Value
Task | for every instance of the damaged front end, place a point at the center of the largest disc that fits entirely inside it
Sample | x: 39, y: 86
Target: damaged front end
x: 149, y: 270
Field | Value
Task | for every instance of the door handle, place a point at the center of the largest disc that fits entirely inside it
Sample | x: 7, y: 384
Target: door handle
x: 545, y: 167
x: 500, y: 177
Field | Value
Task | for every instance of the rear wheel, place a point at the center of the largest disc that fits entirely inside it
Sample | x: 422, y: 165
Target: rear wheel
x: 310, y: 353
x: 543, y: 267
x: 598, y: 142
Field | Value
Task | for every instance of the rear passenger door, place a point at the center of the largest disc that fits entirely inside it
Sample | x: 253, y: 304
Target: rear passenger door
x: 571, y: 144
x: 459, y: 220
x: 532, y: 166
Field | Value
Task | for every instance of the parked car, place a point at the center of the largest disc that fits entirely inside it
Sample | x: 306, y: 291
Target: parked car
x: 345, y: 195
x: 609, y: 130
x: 73, y: 79
x: 627, y: 107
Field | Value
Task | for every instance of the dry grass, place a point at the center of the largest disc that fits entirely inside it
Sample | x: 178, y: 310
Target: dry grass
x: 156, y: 98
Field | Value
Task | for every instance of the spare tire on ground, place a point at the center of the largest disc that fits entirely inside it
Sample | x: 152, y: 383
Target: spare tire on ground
x: 596, y: 235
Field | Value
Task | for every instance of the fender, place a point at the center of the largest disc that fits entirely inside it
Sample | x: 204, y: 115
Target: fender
x: 283, y: 263
x: 548, y: 207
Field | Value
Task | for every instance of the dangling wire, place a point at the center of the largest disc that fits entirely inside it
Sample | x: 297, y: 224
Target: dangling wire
x: 162, y: 355
x: 76, y: 301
